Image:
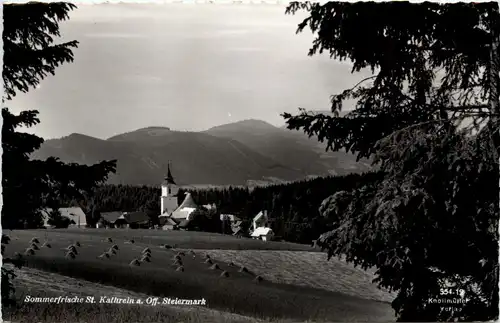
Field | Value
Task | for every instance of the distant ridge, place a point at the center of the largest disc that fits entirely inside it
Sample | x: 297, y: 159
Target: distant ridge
x: 247, y: 152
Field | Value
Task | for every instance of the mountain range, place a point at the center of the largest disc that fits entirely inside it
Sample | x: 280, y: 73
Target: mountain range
x: 249, y: 152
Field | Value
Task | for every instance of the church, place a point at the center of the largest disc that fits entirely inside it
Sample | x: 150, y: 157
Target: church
x: 173, y: 215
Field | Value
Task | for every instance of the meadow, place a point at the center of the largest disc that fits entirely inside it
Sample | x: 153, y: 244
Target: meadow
x: 278, y: 281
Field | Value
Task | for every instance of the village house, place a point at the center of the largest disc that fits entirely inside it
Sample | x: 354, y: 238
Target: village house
x: 133, y: 220
x: 260, y: 227
x: 122, y: 220
x: 108, y: 219
x: 75, y: 214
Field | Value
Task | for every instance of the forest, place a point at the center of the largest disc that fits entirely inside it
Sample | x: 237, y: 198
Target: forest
x: 293, y: 208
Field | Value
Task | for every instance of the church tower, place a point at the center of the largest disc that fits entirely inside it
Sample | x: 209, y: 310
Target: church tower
x: 169, y: 191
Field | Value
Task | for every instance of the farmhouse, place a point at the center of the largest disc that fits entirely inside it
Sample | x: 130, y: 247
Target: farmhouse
x: 260, y: 220
x: 265, y: 234
x: 108, y: 219
x: 117, y: 219
x: 75, y: 214
x: 133, y: 220
x: 260, y: 227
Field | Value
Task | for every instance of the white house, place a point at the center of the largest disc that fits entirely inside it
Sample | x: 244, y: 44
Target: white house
x: 75, y: 214
x: 265, y: 234
x: 260, y: 227
x: 260, y: 220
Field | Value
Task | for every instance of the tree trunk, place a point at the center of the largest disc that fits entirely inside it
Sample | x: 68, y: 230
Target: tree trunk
x: 494, y: 86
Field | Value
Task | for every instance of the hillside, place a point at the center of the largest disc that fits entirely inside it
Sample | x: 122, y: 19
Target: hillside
x: 241, y: 153
x: 289, y: 147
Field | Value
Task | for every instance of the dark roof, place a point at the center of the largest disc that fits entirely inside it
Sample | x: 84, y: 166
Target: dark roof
x: 184, y: 223
x: 170, y: 221
x: 136, y: 217
x: 111, y: 217
x: 169, y: 179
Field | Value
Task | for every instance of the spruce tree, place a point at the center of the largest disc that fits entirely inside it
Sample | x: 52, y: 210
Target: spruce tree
x: 432, y: 219
x: 31, y: 185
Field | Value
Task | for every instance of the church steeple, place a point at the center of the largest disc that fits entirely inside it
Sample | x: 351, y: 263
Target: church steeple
x: 169, y: 191
x: 169, y: 179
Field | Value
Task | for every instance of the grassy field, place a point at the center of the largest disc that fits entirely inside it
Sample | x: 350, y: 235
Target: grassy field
x: 36, y: 283
x: 286, y: 293
x: 183, y: 239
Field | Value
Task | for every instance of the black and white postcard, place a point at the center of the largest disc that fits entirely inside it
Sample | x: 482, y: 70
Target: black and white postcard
x: 250, y: 161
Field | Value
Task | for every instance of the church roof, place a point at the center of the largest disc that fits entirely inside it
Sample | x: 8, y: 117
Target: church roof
x: 185, y: 209
x: 169, y: 179
x: 188, y: 202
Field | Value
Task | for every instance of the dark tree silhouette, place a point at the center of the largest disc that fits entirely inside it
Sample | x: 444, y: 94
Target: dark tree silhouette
x: 408, y: 47
x: 434, y: 214
x: 29, y: 185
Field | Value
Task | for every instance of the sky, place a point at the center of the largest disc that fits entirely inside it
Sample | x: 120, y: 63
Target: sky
x: 188, y: 67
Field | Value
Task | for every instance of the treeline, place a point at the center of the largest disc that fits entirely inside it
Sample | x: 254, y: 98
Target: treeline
x: 292, y: 207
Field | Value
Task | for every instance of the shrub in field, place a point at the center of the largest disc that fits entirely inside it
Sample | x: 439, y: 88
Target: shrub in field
x: 5, y: 239
x: 180, y: 268
x: 71, y: 248
x: 70, y: 255
x: 224, y: 274
x: 258, y: 278
x: 105, y: 255
x: 135, y: 262
x: 7, y: 287
x: 214, y: 267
